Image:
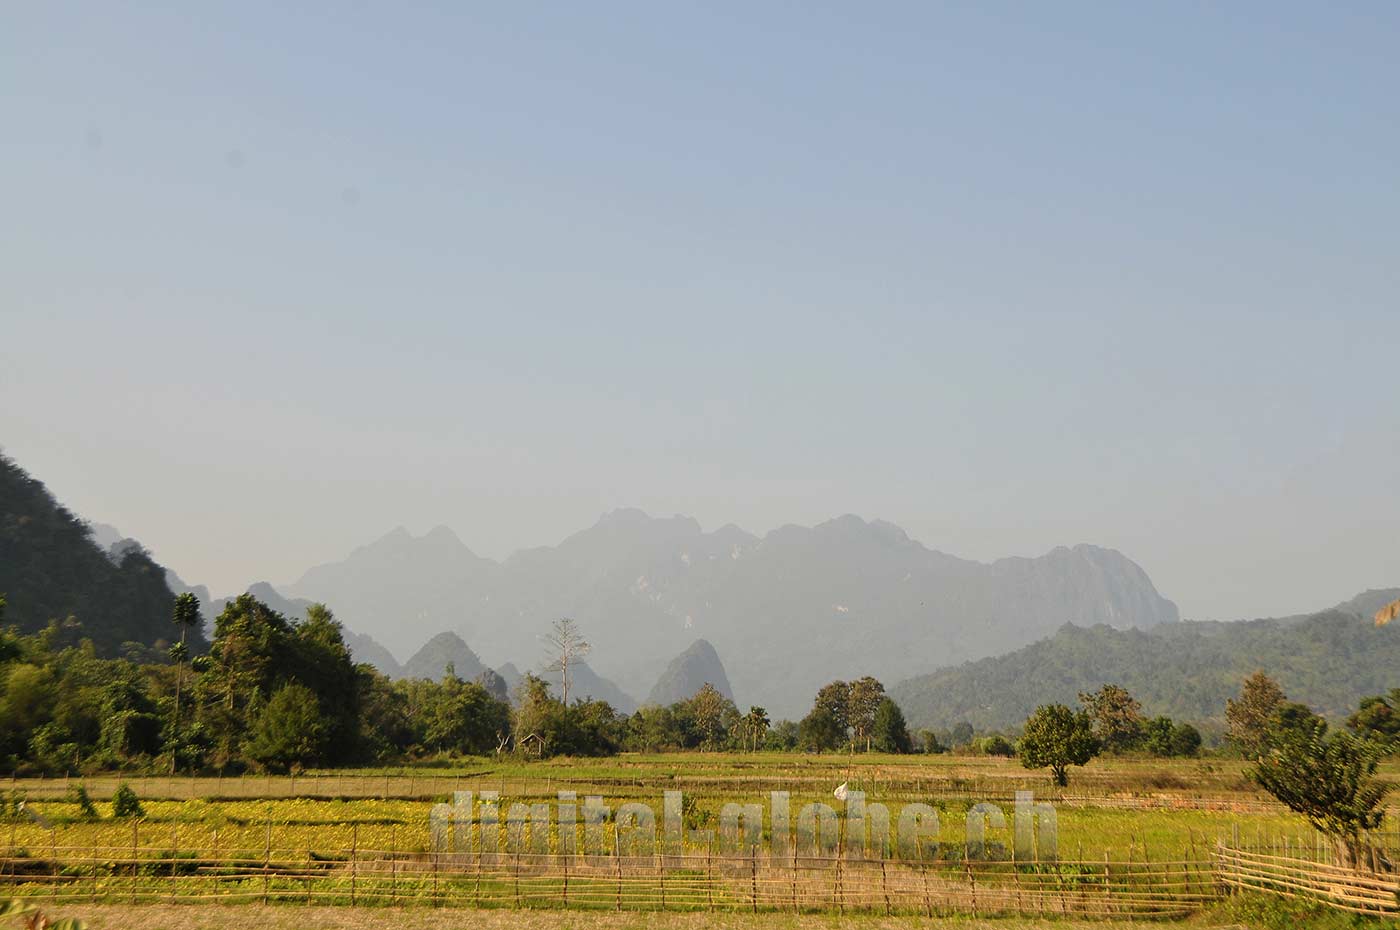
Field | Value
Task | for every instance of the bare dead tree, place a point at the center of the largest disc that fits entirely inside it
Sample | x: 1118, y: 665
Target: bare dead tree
x: 566, y: 646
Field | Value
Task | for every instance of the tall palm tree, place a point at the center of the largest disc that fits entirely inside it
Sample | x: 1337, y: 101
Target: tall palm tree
x: 756, y: 722
x: 185, y: 616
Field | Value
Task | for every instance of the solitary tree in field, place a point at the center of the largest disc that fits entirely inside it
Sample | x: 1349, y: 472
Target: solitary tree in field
x: 1248, y: 720
x: 1056, y: 738
x: 566, y: 647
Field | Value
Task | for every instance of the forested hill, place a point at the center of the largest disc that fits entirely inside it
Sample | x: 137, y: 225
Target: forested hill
x: 1185, y: 670
x: 50, y: 568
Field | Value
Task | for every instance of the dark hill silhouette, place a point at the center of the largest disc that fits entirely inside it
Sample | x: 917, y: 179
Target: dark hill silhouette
x: 51, y: 568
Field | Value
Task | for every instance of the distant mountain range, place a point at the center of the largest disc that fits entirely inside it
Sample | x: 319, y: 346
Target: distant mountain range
x: 790, y: 611
x: 661, y: 600
x: 1328, y: 660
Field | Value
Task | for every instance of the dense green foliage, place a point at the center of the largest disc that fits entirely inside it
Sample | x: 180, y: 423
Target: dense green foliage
x: 1185, y: 670
x: 50, y: 569
x: 1378, y: 719
x: 1056, y: 737
x: 274, y: 694
x: 1329, y: 778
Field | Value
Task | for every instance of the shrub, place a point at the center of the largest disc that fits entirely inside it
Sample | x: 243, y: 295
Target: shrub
x: 125, y: 803
x: 78, y: 795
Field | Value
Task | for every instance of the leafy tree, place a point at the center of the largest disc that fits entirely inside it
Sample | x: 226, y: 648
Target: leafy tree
x: 289, y: 733
x: 783, y: 736
x: 996, y: 745
x: 713, y: 713
x: 1329, y: 779
x: 889, y: 732
x: 1116, y: 715
x: 961, y: 735
x: 464, y: 717
x: 1378, y: 719
x: 820, y: 730
x: 1164, y: 737
x: 835, y: 701
x: 930, y: 743
x: 1247, y: 719
x: 654, y: 728
x: 1056, y: 737
x: 863, y: 698
x: 1186, y: 740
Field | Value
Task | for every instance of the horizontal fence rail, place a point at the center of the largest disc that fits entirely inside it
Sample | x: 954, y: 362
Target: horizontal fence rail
x: 1361, y: 890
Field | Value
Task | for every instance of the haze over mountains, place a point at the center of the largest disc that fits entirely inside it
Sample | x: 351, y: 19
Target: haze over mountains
x: 669, y: 608
x: 1328, y: 660
x: 788, y: 611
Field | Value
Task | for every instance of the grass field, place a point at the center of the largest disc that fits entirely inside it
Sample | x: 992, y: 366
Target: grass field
x: 1125, y: 811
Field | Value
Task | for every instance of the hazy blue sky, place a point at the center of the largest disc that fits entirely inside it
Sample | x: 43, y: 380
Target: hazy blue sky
x: 275, y: 280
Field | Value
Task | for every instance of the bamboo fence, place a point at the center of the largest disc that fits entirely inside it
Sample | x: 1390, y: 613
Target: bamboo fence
x: 1362, y: 890
x: 694, y: 881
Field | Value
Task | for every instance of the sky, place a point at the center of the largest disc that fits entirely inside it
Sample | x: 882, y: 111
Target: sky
x: 275, y: 279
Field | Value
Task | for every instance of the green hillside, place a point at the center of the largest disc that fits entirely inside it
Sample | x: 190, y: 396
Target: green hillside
x: 50, y: 569
x: 1185, y: 670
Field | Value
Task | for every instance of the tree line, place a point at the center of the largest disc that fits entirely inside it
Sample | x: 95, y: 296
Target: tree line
x: 278, y: 694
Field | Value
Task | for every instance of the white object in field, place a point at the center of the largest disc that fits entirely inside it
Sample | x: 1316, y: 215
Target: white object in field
x: 840, y: 791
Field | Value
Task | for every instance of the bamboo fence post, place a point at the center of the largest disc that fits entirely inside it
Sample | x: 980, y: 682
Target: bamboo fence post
x: 135, y: 837
x: 174, y: 857
x: 435, y: 854
x: 884, y: 886
x: 267, y: 859
x: 753, y: 878
x: 710, y: 872
x: 617, y: 856
x: 354, y: 859
x: 840, y: 890
x: 794, y: 879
